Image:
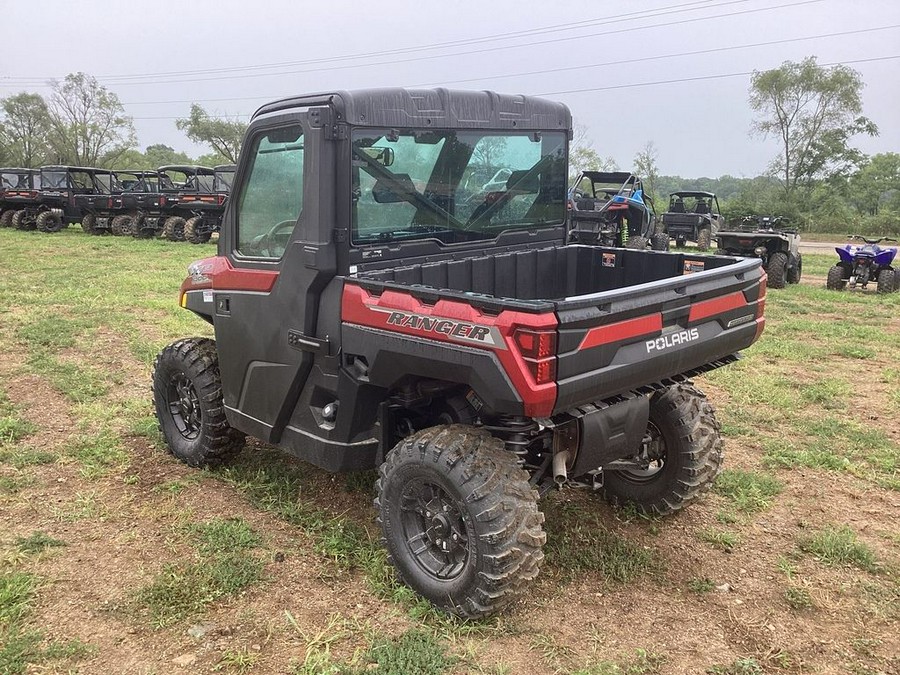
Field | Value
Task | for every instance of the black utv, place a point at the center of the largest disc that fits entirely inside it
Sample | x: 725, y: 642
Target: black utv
x: 203, y: 212
x: 57, y: 204
x: 188, y: 192
x: 133, y: 194
x: 770, y: 239
x: 693, y: 216
x: 612, y: 209
x: 18, y: 189
x: 372, y: 312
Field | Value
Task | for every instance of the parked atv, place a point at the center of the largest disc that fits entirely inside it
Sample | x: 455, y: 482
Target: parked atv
x: 612, y: 209
x: 693, y: 216
x: 764, y: 237
x: 860, y: 264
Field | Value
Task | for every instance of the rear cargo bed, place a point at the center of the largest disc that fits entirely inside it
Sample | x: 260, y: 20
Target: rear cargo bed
x: 624, y: 319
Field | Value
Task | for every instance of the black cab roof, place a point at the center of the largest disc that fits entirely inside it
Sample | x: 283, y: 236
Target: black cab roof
x: 440, y: 108
x: 187, y: 169
x: 691, y: 193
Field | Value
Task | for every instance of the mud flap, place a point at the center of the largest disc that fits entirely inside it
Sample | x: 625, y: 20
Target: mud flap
x: 610, y: 433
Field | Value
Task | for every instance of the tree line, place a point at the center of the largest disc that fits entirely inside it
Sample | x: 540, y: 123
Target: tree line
x: 82, y: 123
x: 818, y: 178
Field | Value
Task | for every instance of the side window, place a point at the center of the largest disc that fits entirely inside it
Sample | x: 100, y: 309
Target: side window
x: 272, y: 194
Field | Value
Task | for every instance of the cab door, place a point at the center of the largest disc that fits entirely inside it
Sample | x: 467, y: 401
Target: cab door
x: 265, y: 300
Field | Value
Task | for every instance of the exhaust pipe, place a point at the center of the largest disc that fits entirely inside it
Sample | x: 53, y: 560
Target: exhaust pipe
x: 559, y: 467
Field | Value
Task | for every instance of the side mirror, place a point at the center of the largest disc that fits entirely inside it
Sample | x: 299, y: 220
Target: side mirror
x: 382, y: 156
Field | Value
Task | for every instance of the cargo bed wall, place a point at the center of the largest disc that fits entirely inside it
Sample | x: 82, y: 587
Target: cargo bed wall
x: 551, y: 273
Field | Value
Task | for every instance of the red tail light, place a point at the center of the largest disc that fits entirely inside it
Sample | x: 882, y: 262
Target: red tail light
x: 162, y: 200
x: 761, y: 303
x: 221, y: 200
x: 109, y: 203
x: 538, y: 349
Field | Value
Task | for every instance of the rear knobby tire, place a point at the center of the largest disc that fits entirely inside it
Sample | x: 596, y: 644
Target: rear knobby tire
x: 89, y: 223
x: 795, y: 272
x: 887, y: 281
x: 659, y: 241
x: 777, y: 270
x: 20, y: 222
x: 687, y: 451
x: 6, y: 218
x: 193, y: 233
x: 836, y: 279
x: 637, y: 242
x: 459, y: 487
x: 49, y: 221
x: 187, y: 394
x: 120, y: 225
x: 173, y: 229
x: 704, y: 237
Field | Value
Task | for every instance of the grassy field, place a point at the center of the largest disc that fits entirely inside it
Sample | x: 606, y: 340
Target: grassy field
x: 116, y: 558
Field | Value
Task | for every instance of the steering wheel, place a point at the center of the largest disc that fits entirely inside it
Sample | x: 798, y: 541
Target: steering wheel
x: 264, y: 242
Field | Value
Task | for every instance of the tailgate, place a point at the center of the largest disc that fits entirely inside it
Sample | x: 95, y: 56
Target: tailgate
x: 621, y: 340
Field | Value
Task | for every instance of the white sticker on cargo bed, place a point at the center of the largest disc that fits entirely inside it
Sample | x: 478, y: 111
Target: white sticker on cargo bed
x: 207, y: 296
x: 609, y: 260
x: 691, y: 266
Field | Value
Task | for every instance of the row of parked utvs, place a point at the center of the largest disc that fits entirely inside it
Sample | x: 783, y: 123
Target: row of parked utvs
x: 180, y: 203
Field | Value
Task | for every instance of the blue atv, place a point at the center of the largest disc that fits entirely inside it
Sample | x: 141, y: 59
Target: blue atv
x: 861, y: 264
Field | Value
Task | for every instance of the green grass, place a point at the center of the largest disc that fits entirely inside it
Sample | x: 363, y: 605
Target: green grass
x: 98, y: 453
x: 745, y: 666
x: 701, y: 585
x: 21, y: 646
x: 642, y: 663
x: 415, y: 651
x: 721, y: 539
x: 225, y: 565
x: 13, y: 427
x: 578, y: 542
x: 37, y: 542
x: 798, y: 598
x: 748, y: 491
x: 840, y: 547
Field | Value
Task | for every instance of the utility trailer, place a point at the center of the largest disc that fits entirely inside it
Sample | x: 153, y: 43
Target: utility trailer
x: 368, y: 313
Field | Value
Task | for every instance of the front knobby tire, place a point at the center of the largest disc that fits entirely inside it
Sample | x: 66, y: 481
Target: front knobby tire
x: 187, y: 394
x: 795, y: 272
x: 459, y: 520
x: 6, y: 218
x: 685, y: 455
x: 173, y: 228
x: 49, y: 222
x: 193, y: 232
x: 777, y: 270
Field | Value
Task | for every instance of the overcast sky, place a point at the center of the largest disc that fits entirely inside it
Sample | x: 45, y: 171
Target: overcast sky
x: 700, y: 127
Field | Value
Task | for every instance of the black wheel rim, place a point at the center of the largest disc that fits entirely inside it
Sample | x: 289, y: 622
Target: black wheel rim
x: 184, y: 406
x: 652, y: 458
x: 434, y: 530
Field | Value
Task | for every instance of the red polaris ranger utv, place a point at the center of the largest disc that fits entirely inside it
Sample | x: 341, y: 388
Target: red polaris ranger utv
x: 370, y: 310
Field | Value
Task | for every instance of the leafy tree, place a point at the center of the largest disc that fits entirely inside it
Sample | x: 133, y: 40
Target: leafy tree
x: 814, y: 111
x: 583, y: 156
x: 876, y: 183
x: 25, y: 128
x: 88, y: 125
x: 646, y: 168
x: 159, y: 155
x: 224, y: 136
x: 212, y: 159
